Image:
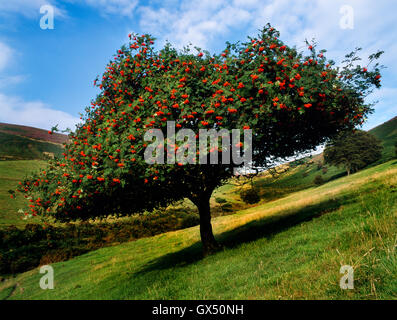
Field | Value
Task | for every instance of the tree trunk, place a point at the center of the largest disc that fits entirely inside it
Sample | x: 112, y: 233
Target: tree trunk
x: 210, y: 245
x: 348, y: 168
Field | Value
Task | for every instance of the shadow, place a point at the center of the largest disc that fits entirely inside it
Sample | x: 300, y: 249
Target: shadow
x: 270, y: 226
x: 177, y: 259
x: 263, y: 228
x: 9, y: 291
x: 337, y: 176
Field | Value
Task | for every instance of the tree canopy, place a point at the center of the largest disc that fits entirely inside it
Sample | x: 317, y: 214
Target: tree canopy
x: 292, y: 101
x: 353, y: 150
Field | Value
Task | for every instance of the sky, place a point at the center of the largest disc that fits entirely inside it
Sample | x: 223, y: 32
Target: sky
x: 46, y: 75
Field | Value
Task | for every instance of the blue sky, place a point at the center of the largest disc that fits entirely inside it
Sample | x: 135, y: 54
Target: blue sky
x: 46, y: 76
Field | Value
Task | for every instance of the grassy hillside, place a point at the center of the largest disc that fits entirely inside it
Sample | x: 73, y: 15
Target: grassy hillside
x: 297, y: 178
x: 33, y: 133
x: 290, y: 248
x: 387, y: 132
x: 11, y: 172
x: 21, y: 142
x: 13, y: 147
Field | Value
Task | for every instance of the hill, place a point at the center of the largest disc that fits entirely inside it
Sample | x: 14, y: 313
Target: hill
x: 22, y: 142
x: 290, y: 248
x: 387, y: 132
x: 11, y: 172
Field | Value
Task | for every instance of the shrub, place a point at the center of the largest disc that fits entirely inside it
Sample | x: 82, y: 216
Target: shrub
x: 227, y: 207
x: 58, y: 255
x: 250, y: 196
x: 190, y: 220
x: 318, y: 180
x: 325, y: 170
x: 220, y: 200
x: 25, y: 249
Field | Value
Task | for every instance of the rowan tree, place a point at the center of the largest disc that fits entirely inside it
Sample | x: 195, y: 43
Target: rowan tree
x: 292, y: 101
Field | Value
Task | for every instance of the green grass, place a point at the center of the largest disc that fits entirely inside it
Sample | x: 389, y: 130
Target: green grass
x: 11, y: 172
x: 387, y: 132
x: 18, y: 147
x: 295, y: 179
x: 289, y: 248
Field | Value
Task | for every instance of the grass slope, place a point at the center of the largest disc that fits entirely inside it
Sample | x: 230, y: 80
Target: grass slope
x: 290, y: 248
x: 387, y: 132
x: 21, y: 142
x: 295, y: 179
x: 33, y: 133
x: 11, y: 172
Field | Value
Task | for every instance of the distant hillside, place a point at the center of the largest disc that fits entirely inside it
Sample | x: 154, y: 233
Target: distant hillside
x: 33, y: 133
x: 22, y: 142
x: 387, y: 132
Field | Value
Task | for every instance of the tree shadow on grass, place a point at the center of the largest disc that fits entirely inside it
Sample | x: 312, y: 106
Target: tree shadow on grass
x: 270, y: 226
x: 266, y: 227
x: 337, y: 176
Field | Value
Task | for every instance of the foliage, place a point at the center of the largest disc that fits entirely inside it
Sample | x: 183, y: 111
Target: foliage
x: 291, y: 100
x: 227, y: 207
x: 220, y: 200
x: 250, y: 195
x: 353, y: 151
x: 318, y: 180
x: 25, y: 249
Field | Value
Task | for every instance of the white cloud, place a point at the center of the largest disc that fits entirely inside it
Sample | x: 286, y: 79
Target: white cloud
x: 28, y: 8
x: 203, y: 22
x: 31, y: 8
x: 6, y: 60
x: 198, y: 22
x: 120, y: 7
x: 33, y: 113
x: 5, y: 55
x: 11, y: 80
